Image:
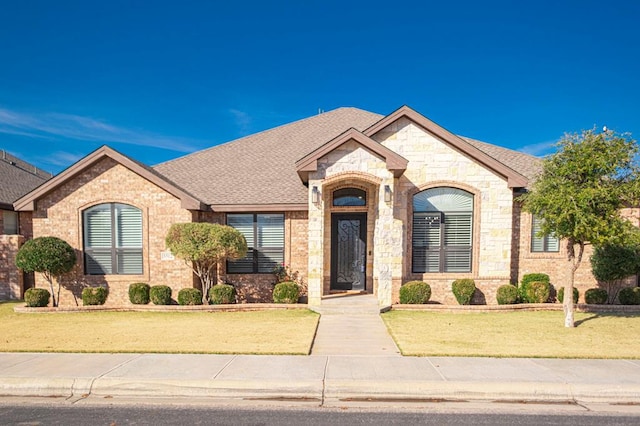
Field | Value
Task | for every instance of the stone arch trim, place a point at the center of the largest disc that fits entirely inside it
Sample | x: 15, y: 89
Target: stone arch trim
x: 336, y: 180
x: 477, y: 225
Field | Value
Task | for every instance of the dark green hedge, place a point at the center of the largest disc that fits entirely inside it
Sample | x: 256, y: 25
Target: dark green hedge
x: 190, y: 296
x: 629, y: 296
x: 37, y: 297
x: 160, y: 294
x: 576, y: 295
x: 222, y: 294
x: 596, y: 296
x: 507, y: 294
x: 463, y: 290
x: 92, y: 296
x: 139, y: 293
x: 415, y: 292
x: 286, y: 292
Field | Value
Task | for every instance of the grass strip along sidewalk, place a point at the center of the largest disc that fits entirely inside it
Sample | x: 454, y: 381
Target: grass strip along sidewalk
x: 530, y: 334
x: 250, y: 332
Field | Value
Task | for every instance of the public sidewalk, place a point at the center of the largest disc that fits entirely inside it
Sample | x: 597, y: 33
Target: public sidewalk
x: 319, y: 379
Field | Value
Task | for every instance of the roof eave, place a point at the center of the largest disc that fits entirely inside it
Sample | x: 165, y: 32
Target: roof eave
x: 28, y: 201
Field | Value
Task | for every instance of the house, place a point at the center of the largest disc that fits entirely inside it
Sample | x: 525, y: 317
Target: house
x: 17, y: 178
x: 353, y: 200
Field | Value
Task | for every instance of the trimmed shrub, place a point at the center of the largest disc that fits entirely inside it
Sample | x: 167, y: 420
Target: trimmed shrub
x: 92, y: 296
x: 463, y: 290
x: 139, y: 293
x: 523, y: 292
x: 596, y: 296
x: 629, y: 296
x: 37, y: 297
x: 576, y: 295
x: 537, y: 292
x: 190, y: 296
x: 286, y: 292
x: 222, y: 294
x: 507, y: 294
x: 160, y: 294
x: 415, y: 292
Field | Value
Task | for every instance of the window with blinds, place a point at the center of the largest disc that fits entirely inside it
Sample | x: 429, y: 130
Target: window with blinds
x: 544, y: 243
x: 442, y: 230
x: 265, y: 242
x: 112, y: 239
x: 9, y: 222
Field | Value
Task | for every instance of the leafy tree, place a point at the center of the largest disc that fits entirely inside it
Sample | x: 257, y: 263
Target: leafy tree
x: 612, y: 263
x: 579, y: 194
x: 204, y: 246
x: 50, y: 256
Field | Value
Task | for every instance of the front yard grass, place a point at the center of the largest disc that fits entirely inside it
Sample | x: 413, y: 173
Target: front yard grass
x: 514, y: 334
x: 251, y: 332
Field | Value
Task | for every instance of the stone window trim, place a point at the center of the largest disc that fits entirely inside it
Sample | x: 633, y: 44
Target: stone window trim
x: 476, y: 231
x: 251, y: 263
x: 140, y: 273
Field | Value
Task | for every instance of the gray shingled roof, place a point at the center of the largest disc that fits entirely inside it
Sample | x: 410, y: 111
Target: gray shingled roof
x: 17, y: 178
x: 260, y: 169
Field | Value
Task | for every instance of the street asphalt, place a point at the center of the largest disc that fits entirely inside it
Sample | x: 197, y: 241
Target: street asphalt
x: 358, y: 362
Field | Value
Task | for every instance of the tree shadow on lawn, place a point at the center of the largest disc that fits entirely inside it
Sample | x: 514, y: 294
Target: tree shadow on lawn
x: 602, y: 316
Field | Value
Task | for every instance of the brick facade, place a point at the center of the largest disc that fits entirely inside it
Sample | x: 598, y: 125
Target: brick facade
x: 59, y: 214
x: 11, y: 279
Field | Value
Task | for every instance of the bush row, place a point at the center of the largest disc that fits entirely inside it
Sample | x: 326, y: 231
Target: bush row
x: 419, y: 292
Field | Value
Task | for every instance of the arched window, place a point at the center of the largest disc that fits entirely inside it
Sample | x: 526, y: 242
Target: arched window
x: 349, y: 197
x: 442, y: 230
x: 112, y: 239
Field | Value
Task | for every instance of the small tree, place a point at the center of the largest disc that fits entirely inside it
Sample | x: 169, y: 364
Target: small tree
x: 579, y: 194
x: 50, y: 256
x: 204, y: 246
x: 612, y: 263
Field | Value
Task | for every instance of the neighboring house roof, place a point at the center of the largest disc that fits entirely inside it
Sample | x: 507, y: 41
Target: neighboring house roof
x: 259, y: 171
x: 189, y: 202
x: 17, y: 178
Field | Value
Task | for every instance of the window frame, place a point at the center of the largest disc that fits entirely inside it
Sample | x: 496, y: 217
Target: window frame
x: 444, y: 251
x: 115, y: 251
x: 16, y: 221
x: 545, y: 240
x: 255, y: 251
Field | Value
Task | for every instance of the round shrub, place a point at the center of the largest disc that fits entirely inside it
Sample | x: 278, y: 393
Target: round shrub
x: 596, y: 296
x: 222, y: 294
x: 189, y: 296
x: 576, y: 295
x: 524, y: 292
x: 537, y: 292
x: 286, y: 292
x: 415, y: 292
x: 37, y: 297
x: 139, y: 293
x: 92, y: 296
x: 463, y: 290
x: 529, y: 278
x: 629, y: 296
x: 507, y: 294
x: 160, y: 294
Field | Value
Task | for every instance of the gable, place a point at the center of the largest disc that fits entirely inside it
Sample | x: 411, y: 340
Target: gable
x: 382, y: 128
x: 27, y: 203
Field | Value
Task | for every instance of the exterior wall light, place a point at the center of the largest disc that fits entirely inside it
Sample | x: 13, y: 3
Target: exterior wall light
x: 315, y: 195
x: 387, y: 194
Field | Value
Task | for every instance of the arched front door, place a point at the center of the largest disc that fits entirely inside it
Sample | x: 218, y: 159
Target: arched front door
x: 348, y: 251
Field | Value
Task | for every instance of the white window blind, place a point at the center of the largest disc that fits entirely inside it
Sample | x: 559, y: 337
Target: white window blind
x: 544, y: 243
x: 265, y: 239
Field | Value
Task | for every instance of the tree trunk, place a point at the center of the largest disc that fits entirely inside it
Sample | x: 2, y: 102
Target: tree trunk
x: 573, y: 262
x: 49, y: 278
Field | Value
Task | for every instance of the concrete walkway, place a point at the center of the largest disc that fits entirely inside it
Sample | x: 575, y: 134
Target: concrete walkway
x: 351, y: 325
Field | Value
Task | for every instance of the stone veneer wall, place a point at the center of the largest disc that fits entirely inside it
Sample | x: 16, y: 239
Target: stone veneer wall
x: 433, y: 163
x: 11, y: 281
x: 59, y: 214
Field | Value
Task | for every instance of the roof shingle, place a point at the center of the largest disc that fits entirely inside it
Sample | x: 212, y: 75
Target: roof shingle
x: 17, y: 178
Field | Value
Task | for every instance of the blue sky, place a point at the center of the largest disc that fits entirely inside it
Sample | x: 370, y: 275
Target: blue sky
x: 157, y: 80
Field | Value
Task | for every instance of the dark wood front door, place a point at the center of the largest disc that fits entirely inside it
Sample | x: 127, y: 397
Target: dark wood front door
x: 348, y: 251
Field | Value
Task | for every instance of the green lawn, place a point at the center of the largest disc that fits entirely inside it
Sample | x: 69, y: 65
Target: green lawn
x: 255, y: 332
x: 514, y: 334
